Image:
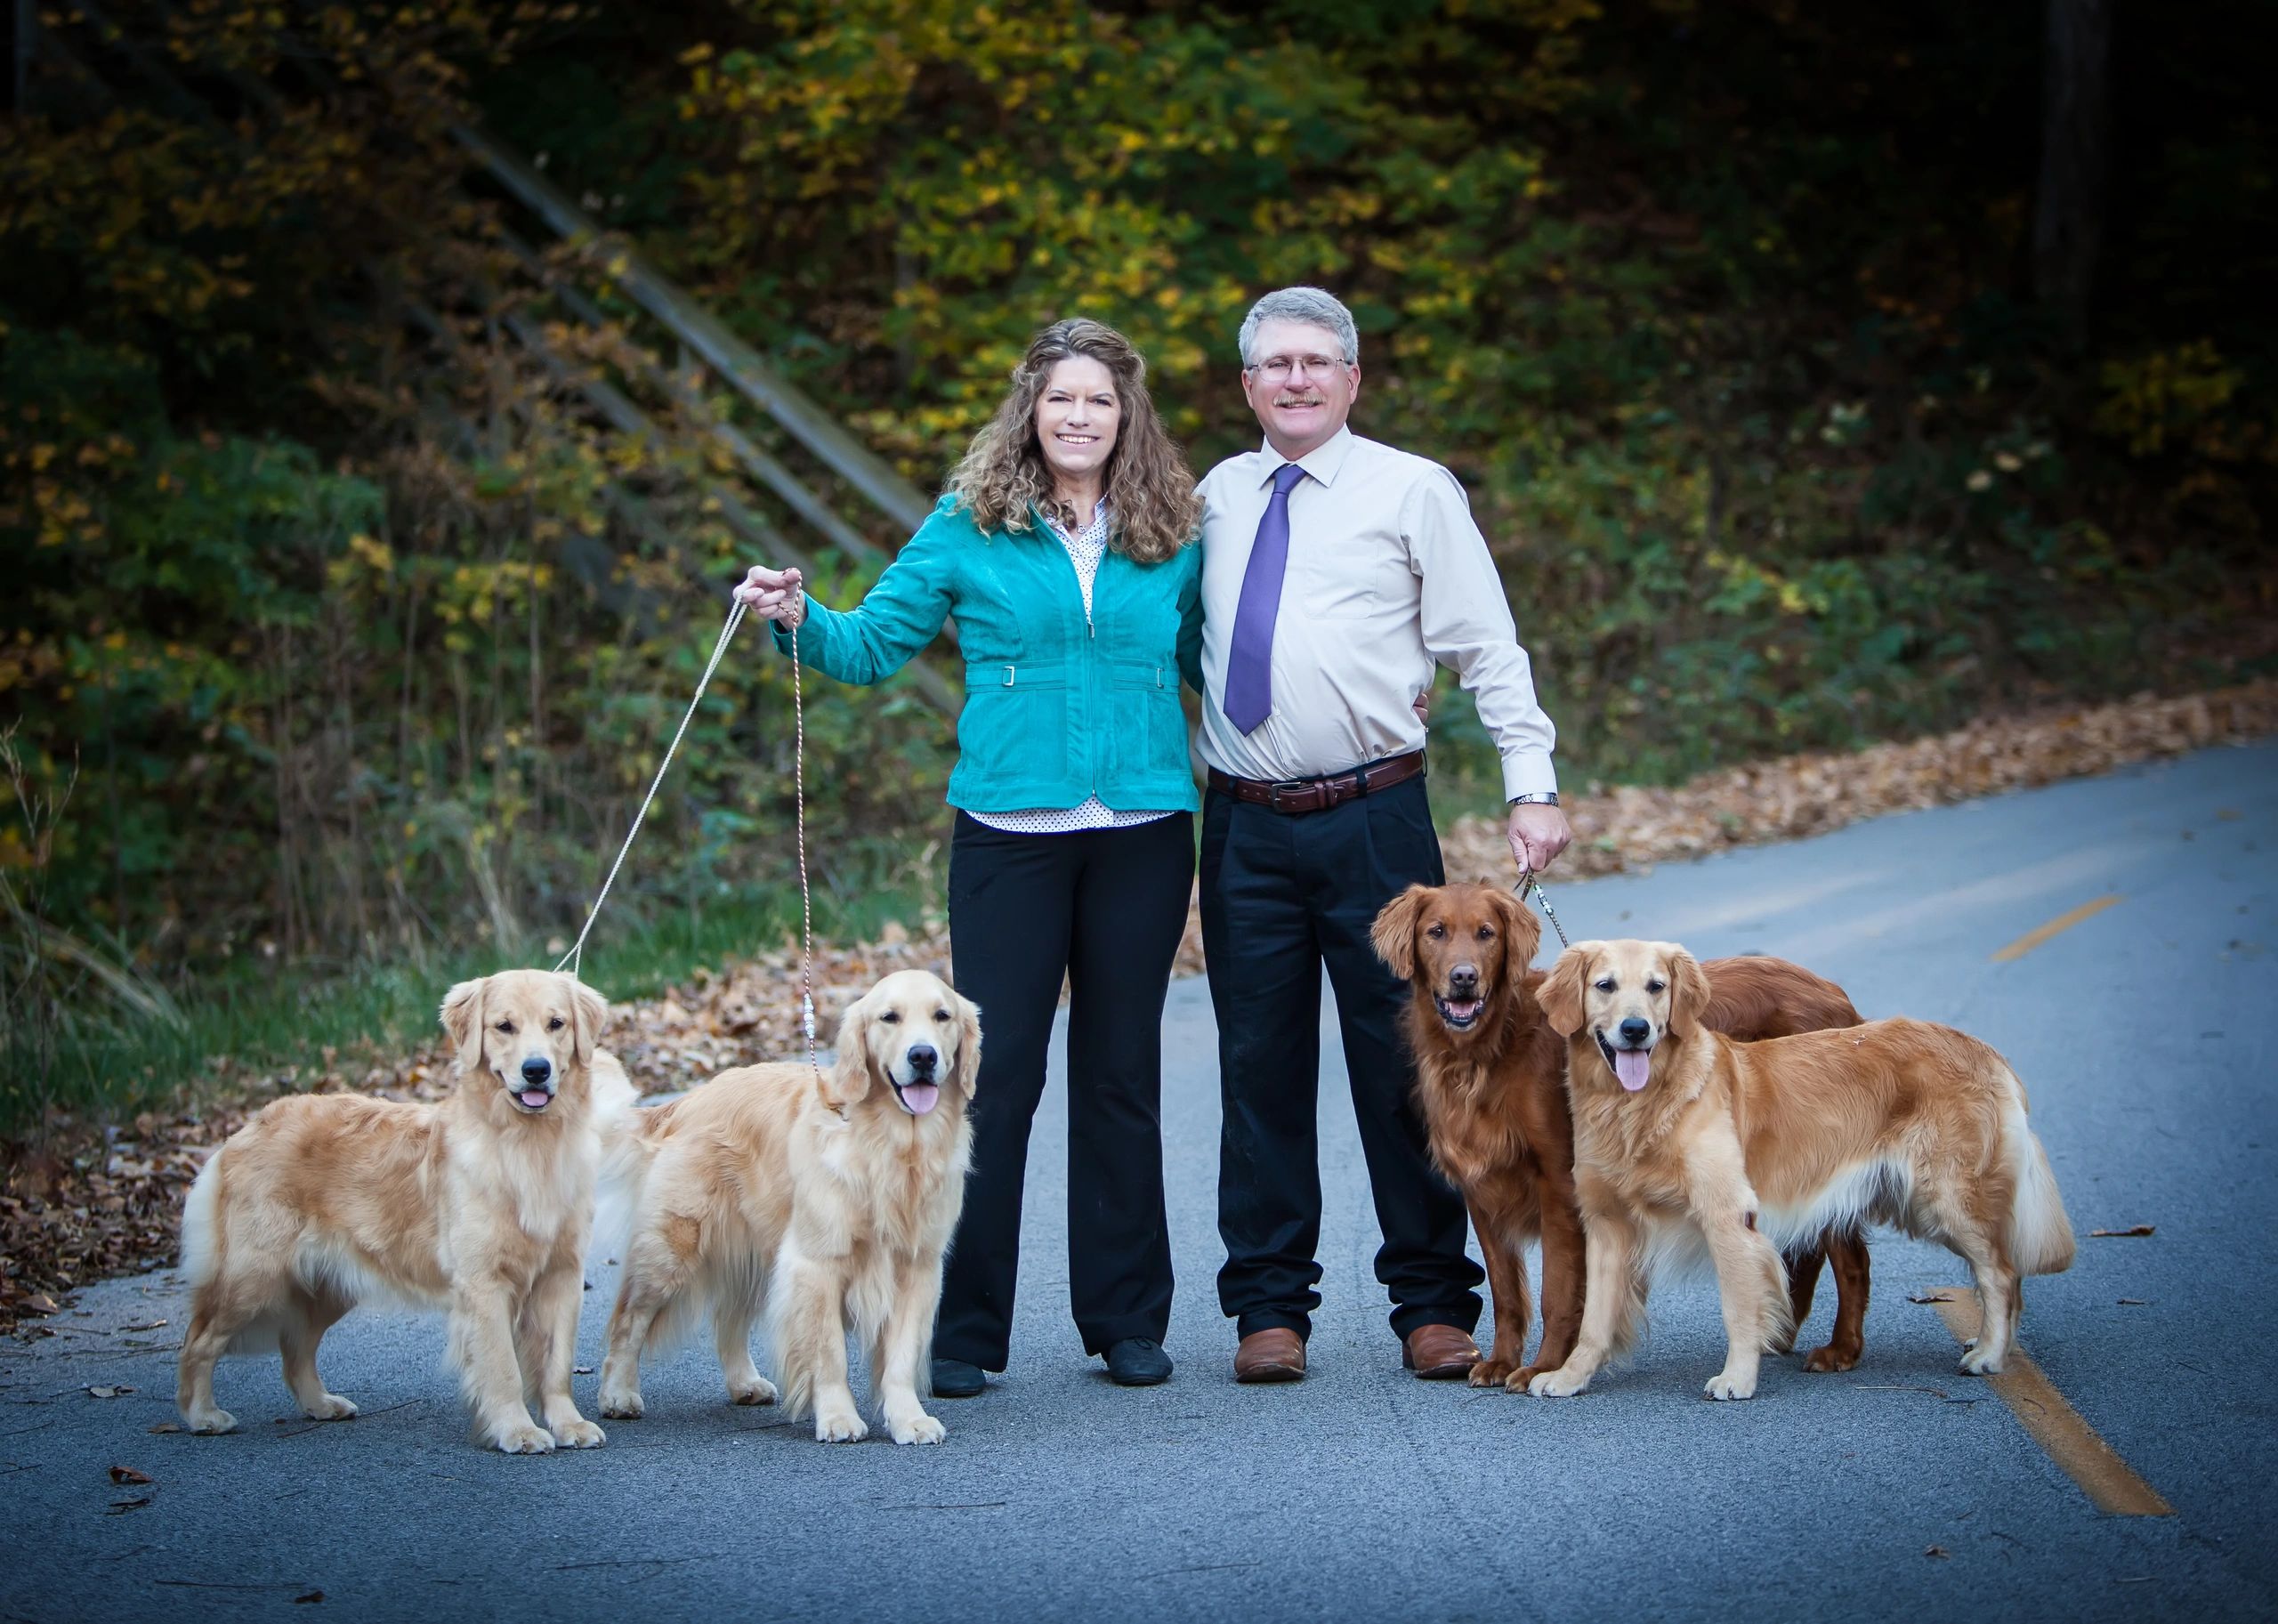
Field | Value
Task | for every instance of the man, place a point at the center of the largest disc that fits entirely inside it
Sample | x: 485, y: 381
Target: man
x: 1337, y: 574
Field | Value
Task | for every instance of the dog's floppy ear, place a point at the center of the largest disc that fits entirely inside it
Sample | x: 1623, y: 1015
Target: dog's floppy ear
x: 1394, y: 935
x: 1525, y: 929
x: 462, y: 1020
x: 1689, y: 993
x: 587, y: 1010
x: 968, y: 1041
x: 1560, y: 996
x: 850, y: 1079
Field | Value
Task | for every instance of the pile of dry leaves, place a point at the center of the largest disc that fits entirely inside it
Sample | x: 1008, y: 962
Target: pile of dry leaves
x: 96, y: 1201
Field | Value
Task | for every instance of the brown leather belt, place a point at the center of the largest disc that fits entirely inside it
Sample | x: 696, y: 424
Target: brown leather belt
x: 1292, y: 796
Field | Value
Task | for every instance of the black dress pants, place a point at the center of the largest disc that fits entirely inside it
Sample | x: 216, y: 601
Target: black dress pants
x: 1281, y: 897
x: 1106, y: 908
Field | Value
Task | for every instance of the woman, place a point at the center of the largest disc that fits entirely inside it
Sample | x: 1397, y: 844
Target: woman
x: 1062, y: 549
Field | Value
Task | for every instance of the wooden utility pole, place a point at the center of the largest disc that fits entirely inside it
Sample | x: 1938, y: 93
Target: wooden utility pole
x: 2068, y: 220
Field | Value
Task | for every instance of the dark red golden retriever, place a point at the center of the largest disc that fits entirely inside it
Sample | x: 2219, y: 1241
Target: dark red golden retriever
x: 1491, y: 1079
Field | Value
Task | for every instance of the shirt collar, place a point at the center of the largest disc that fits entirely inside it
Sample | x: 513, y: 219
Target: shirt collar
x: 1321, y: 462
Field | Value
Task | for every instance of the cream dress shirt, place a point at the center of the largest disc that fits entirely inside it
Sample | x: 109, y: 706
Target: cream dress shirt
x: 1387, y: 576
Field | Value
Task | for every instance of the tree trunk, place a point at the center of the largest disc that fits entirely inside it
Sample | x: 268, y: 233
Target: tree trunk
x: 2068, y: 225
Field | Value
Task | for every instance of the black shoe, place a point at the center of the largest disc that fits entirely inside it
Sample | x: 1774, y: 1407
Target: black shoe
x: 1136, y: 1362
x: 953, y: 1378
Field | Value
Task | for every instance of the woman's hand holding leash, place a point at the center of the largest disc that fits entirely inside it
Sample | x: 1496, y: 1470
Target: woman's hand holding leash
x: 778, y: 594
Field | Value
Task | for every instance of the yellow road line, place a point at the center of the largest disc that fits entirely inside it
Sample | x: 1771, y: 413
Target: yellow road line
x: 2057, y: 926
x: 2055, y: 1425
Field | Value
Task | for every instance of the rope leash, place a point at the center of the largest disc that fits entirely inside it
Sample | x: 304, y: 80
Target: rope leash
x: 799, y: 803
x: 575, y: 956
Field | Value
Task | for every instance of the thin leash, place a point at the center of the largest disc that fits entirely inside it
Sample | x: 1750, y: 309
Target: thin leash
x: 1527, y: 881
x: 799, y: 803
x: 575, y: 958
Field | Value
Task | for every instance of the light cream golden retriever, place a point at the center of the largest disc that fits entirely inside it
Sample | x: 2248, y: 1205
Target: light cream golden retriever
x: 480, y: 1205
x: 1686, y: 1137
x: 827, y: 1201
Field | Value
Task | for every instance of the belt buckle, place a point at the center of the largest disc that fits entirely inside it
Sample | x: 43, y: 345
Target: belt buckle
x: 1273, y: 791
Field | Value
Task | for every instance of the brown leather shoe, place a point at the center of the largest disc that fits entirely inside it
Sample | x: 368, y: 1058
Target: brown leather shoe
x: 1438, y: 1353
x: 1275, y: 1354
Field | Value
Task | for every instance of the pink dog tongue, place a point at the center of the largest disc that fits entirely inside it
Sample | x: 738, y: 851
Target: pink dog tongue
x: 1631, y: 1066
x: 535, y: 1098
x: 921, y: 1097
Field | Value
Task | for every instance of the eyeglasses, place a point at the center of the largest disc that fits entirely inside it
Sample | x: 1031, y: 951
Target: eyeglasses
x: 1274, y: 369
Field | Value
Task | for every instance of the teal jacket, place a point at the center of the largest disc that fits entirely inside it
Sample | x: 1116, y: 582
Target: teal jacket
x: 1056, y: 711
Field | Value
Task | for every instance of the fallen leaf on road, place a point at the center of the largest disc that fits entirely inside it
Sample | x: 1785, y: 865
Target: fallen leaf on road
x: 1930, y: 1296
x: 39, y: 1302
x: 582, y: 1370
x: 2131, y: 1302
x: 128, y: 1474
x: 153, y: 1325
x: 2115, y: 1234
x: 121, y: 1507
x: 108, y: 1393
x: 1938, y: 1551
x: 312, y: 1595
x: 166, y: 1426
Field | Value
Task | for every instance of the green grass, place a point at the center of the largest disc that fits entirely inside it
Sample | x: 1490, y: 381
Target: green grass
x: 265, y: 1018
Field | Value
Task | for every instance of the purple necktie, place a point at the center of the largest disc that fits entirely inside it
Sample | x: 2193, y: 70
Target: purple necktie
x: 1249, y: 662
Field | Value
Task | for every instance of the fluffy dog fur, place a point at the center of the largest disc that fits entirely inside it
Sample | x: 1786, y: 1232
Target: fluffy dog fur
x: 1682, y: 1134
x: 480, y: 1205
x: 1491, y: 1079
x: 829, y: 1201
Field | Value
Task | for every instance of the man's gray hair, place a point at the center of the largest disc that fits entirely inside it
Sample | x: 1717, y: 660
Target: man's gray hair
x: 1310, y: 305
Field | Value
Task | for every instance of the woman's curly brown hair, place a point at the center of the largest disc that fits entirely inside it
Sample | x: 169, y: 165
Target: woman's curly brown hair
x: 1152, y: 510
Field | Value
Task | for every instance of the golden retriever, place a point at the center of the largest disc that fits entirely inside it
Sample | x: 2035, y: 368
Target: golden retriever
x: 829, y: 1201
x: 480, y: 1205
x: 1490, y: 1079
x: 1684, y: 1137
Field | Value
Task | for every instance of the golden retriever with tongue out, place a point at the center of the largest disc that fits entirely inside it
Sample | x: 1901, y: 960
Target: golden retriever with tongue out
x: 829, y: 1201
x: 1684, y: 1135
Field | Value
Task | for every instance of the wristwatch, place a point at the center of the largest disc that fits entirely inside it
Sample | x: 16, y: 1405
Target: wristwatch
x: 1540, y: 797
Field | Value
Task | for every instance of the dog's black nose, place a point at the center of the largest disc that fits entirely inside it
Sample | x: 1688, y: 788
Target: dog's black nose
x: 1635, y: 1029
x: 1464, y: 980
x: 534, y: 1071
x: 924, y: 1057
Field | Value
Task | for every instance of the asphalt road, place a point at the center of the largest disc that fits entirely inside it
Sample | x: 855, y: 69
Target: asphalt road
x: 1902, y: 1489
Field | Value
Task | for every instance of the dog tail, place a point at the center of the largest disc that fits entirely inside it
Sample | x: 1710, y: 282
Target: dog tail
x: 201, y: 1216
x: 628, y: 1148
x: 2040, y: 1236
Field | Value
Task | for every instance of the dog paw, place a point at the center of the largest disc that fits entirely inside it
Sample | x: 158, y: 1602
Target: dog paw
x: 758, y: 1390
x: 1490, y: 1373
x: 919, y: 1428
x: 1830, y: 1359
x: 579, y: 1434
x: 1557, y: 1384
x: 1521, y: 1379
x: 523, y: 1438
x: 1980, y: 1362
x: 331, y: 1406
x: 622, y: 1406
x: 1724, y: 1384
x: 210, y: 1423
x: 840, y: 1426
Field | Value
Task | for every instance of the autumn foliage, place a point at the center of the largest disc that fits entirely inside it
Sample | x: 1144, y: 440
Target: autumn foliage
x: 341, y: 622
